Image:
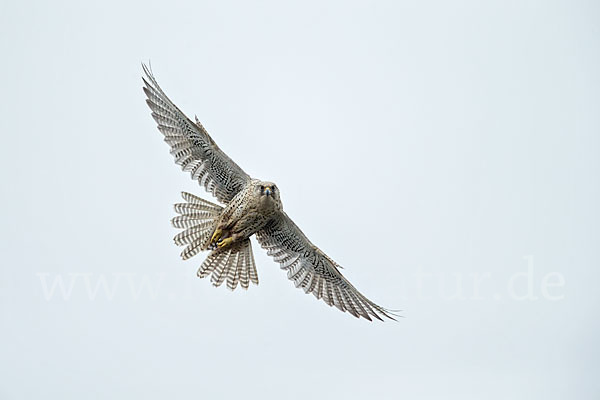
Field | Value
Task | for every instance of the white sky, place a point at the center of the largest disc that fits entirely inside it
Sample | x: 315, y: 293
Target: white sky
x: 445, y: 153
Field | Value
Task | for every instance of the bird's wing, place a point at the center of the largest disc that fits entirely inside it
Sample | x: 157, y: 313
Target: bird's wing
x: 192, y: 146
x: 313, y: 271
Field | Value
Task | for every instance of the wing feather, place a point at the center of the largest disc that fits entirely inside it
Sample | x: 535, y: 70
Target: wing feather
x: 192, y: 147
x: 312, y: 270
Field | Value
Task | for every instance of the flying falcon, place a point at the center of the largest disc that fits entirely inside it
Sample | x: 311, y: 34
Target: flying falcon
x: 250, y: 206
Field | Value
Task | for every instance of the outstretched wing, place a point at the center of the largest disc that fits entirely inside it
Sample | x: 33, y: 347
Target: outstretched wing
x: 313, y: 270
x: 192, y: 146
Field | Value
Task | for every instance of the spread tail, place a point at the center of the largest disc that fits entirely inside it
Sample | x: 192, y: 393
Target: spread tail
x: 234, y: 263
x: 198, y: 219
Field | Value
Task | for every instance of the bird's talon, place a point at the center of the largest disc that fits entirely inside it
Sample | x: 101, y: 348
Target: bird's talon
x: 216, y: 236
x: 224, y: 242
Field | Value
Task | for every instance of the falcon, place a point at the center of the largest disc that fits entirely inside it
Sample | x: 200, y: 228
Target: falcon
x: 250, y: 207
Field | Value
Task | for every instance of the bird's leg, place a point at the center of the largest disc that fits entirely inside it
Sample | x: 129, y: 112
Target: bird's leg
x: 222, y: 237
x: 225, y: 242
x: 229, y: 240
x: 216, y: 236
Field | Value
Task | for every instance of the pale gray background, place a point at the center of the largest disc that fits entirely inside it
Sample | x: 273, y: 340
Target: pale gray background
x: 448, y: 140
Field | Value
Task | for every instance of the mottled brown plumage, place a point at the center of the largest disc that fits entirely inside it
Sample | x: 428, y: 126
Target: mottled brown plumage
x: 251, y: 207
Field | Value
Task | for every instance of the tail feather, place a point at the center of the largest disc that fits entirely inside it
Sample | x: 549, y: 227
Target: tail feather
x: 191, y: 234
x: 233, y: 272
x: 207, y: 205
x: 185, y: 221
x: 198, y: 218
x: 191, y: 208
x: 193, y: 248
x: 243, y: 272
x: 234, y: 264
x: 251, y: 271
x: 220, y: 271
x: 207, y: 267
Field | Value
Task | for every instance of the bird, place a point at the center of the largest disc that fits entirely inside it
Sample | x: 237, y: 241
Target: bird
x: 249, y: 207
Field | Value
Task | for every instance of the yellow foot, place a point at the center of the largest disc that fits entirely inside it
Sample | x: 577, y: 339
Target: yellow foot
x: 216, y: 236
x: 224, y: 242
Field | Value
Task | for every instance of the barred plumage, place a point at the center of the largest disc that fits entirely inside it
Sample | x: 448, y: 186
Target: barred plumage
x: 252, y: 207
x: 312, y: 270
x: 192, y: 146
x: 234, y: 264
x: 198, y: 219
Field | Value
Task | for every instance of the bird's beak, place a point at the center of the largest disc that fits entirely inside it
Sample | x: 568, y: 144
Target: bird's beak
x: 268, y: 190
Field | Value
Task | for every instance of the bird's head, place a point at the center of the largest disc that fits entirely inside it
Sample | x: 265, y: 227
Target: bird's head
x: 268, y: 193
